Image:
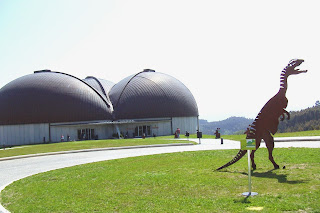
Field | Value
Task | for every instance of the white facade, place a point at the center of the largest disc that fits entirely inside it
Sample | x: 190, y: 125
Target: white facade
x: 159, y: 126
x: 80, y: 132
x: 189, y: 124
x: 13, y: 135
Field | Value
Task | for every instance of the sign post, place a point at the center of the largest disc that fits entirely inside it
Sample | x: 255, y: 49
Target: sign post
x: 199, y: 135
x: 249, y: 144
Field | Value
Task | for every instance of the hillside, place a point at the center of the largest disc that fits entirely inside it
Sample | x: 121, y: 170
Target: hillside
x: 230, y: 126
x: 303, y: 120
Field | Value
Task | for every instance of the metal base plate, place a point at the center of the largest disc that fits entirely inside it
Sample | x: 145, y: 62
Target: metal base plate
x: 249, y: 194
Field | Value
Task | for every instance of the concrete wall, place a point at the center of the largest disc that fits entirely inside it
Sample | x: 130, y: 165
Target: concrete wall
x: 189, y: 124
x: 103, y: 131
x: 163, y: 127
x: 11, y: 135
x: 159, y: 128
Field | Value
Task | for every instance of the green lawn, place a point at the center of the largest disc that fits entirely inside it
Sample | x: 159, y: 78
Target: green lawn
x: 178, y: 182
x: 288, y: 134
x: 78, y: 145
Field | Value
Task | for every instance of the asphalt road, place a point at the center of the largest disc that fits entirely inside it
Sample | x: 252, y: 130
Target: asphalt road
x: 15, y: 169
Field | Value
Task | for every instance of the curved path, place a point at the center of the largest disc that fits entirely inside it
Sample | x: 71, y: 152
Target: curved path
x: 15, y: 169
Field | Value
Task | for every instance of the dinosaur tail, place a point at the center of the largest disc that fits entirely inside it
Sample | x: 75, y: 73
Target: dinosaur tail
x: 240, y: 154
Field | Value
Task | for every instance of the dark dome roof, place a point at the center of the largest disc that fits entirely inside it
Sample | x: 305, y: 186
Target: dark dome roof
x: 101, y: 85
x: 150, y: 94
x: 45, y: 97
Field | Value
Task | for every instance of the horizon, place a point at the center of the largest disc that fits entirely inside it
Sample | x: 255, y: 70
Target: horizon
x: 235, y: 116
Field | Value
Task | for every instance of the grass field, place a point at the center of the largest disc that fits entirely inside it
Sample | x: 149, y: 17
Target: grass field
x: 288, y: 134
x: 179, y: 182
x: 78, y: 145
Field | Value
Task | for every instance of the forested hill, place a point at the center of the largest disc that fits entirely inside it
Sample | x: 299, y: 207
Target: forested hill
x: 303, y: 120
x: 230, y: 126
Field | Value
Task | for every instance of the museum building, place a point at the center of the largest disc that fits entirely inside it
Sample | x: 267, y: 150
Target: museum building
x: 49, y: 106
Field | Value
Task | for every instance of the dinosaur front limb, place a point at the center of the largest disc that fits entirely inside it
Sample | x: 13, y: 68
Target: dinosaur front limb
x: 288, y: 114
x: 282, y: 116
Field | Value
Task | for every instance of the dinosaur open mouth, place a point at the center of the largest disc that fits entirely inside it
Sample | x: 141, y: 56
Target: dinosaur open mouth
x: 297, y: 63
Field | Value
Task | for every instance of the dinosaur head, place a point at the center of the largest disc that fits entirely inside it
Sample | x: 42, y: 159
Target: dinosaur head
x: 291, y: 68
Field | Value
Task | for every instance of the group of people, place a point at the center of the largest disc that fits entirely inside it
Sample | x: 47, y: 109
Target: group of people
x: 177, y: 133
x: 217, y: 133
x: 62, y: 138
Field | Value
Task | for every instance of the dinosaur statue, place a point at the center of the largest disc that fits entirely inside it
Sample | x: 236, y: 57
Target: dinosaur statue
x: 266, y: 123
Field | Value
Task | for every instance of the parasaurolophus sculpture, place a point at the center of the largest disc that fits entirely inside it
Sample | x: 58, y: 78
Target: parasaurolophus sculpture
x: 266, y: 123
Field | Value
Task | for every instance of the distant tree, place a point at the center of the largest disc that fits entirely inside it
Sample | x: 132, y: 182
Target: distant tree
x: 317, y: 103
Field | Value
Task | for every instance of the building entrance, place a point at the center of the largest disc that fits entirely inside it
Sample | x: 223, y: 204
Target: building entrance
x: 86, y: 134
x: 139, y: 130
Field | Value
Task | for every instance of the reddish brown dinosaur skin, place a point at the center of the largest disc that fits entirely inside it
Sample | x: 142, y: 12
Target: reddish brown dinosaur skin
x: 266, y: 123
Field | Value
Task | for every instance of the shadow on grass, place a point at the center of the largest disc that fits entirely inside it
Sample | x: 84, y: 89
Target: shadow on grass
x: 282, y: 178
x: 242, y: 200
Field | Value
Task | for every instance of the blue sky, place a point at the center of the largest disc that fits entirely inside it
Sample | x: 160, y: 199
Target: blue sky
x: 228, y: 53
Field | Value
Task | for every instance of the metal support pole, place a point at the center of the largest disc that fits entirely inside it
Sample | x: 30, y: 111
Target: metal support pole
x: 249, y: 172
x: 249, y: 178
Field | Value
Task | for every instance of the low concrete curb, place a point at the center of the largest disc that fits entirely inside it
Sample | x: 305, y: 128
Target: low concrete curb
x: 94, y: 150
x: 295, y: 139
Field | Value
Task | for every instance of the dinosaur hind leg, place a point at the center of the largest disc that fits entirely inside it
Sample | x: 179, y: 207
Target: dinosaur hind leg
x: 254, y: 166
x: 270, y: 145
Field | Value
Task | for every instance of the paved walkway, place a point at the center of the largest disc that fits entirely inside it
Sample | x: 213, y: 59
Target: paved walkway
x: 15, y: 169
